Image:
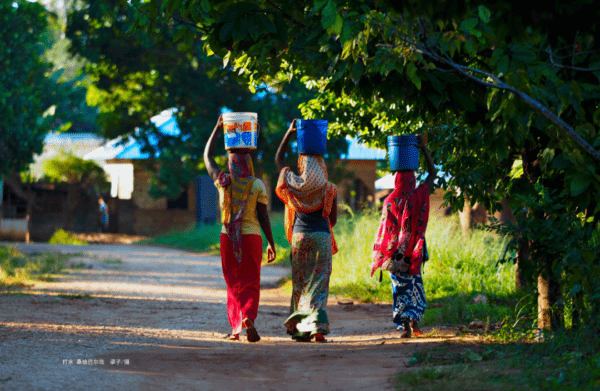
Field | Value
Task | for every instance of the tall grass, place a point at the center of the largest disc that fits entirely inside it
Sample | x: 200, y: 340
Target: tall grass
x: 460, y: 267
x: 16, y: 268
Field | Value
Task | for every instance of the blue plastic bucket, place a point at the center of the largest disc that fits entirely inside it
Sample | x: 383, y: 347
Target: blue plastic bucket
x: 312, y: 136
x: 403, y: 153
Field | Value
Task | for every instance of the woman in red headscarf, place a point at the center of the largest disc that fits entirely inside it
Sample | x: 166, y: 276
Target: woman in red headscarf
x: 400, y: 244
x: 310, y: 212
x: 244, y: 212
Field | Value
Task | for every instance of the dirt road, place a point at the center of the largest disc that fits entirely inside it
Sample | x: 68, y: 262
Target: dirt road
x: 155, y: 320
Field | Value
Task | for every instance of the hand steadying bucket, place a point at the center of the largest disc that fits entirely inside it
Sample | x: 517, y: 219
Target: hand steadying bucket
x: 241, y: 130
x: 403, y: 153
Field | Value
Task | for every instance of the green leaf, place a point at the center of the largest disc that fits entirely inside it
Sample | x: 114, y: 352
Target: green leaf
x: 179, y: 34
x: 523, y: 54
x: 329, y: 15
x: 503, y: 65
x: 435, y: 98
x: 268, y: 25
x: 575, y: 290
x: 226, y: 59
x: 225, y: 32
x: 319, y: 4
x: 205, y: 5
x: 357, y: 71
x: 237, y: 10
x: 435, y: 82
x: 411, y: 70
x: 579, y: 183
x: 484, y: 14
x: 465, y: 101
x: 560, y: 162
x: 253, y: 25
x: 346, y: 34
x: 468, y: 24
x: 239, y: 32
x: 336, y: 27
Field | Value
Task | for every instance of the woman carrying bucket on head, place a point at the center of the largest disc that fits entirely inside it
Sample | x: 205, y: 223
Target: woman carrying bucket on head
x: 310, y: 213
x: 400, y: 243
x: 244, y: 209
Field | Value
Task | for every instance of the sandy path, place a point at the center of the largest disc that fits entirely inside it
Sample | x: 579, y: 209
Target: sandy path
x: 163, y: 311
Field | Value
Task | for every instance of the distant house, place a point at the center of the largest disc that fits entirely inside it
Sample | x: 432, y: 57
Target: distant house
x: 79, y: 144
x: 135, y: 211
x: 51, y: 198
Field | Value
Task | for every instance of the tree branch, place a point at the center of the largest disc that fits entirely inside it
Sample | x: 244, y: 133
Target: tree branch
x: 467, y: 72
x: 574, y: 68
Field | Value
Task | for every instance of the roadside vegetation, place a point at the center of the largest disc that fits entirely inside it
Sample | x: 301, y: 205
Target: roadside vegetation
x: 564, y: 360
x: 60, y: 236
x: 17, y: 270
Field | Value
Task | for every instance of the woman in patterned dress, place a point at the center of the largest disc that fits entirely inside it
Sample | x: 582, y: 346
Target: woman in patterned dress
x: 244, y: 206
x: 400, y: 244
x: 310, y: 213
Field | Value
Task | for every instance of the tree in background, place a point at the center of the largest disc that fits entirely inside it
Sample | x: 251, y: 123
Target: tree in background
x: 135, y: 77
x: 506, y: 93
x: 24, y: 92
x: 83, y: 177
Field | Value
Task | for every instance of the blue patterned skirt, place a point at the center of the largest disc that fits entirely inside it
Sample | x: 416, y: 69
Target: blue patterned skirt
x: 409, y: 297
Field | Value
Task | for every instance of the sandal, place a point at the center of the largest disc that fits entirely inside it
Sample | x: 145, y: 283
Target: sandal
x: 415, y: 328
x: 320, y: 338
x: 251, y: 333
x: 407, y: 331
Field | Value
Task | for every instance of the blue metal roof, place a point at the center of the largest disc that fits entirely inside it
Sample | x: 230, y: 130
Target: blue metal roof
x: 360, y: 151
x: 132, y: 149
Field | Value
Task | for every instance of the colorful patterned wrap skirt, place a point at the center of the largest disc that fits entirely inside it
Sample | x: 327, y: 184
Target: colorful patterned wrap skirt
x: 409, y: 297
x: 311, y: 270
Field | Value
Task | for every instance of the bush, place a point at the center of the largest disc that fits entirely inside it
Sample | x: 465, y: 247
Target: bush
x: 61, y: 236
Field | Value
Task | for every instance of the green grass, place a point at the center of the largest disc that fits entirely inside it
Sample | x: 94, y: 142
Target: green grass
x: 60, y: 236
x: 113, y: 261
x: 205, y: 238
x: 459, y: 268
x: 566, y: 361
x: 17, y: 269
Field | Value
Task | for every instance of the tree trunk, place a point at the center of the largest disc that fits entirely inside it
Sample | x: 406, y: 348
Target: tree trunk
x: 466, y: 216
x: 550, y: 312
x: 28, y: 213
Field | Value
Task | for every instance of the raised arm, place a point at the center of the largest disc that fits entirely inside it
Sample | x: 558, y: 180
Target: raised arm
x: 280, y: 155
x: 265, y: 225
x: 209, y: 152
x: 430, y: 166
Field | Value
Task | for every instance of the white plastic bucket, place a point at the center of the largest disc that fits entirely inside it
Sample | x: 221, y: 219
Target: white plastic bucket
x: 241, y: 130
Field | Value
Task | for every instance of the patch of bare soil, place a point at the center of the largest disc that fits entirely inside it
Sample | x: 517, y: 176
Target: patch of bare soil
x: 93, y: 237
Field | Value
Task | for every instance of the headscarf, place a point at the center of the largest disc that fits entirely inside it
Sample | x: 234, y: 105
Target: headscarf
x: 403, y: 223
x: 307, y: 192
x: 237, y: 185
